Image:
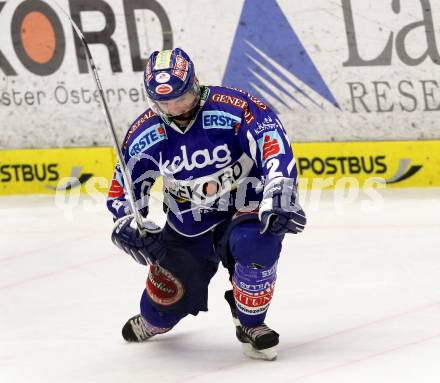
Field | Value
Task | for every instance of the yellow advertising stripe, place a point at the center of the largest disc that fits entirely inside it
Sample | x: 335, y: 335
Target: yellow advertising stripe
x: 397, y: 163
x: 43, y: 171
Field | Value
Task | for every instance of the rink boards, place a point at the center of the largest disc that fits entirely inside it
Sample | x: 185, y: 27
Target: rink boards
x: 320, y: 166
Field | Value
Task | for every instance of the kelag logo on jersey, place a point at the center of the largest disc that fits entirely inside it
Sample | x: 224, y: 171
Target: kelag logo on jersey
x: 268, y: 60
x: 147, y: 139
x: 271, y: 145
x: 217, y: 119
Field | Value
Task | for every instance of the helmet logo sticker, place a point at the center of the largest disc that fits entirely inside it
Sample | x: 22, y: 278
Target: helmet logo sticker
x: 164, y: 89
x: 169, y: 75
x: 180, y: 68
x: 148, y: 75
x: 163, y: 60
x: 162, y: 77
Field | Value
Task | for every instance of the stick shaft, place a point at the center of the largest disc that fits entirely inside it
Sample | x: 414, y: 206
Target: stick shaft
x: 129, y: 189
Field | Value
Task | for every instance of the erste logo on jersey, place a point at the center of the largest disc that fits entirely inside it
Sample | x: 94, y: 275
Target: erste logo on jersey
x: 147, y: 139
x: 217, y: 119
x: 271, y: 145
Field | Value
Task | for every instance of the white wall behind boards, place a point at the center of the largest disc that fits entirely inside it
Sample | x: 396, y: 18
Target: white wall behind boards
x: 335, y: 70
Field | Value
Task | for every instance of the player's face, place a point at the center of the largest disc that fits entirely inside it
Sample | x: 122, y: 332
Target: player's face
x: 178, y: 106
x: 181, y: 105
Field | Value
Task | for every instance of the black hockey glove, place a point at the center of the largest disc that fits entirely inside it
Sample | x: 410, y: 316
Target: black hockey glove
x: 279, y: 212
x: 144, y: 249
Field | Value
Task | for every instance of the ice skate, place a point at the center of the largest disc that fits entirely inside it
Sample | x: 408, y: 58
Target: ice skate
x: 138, y: 330
x: 257, y: 342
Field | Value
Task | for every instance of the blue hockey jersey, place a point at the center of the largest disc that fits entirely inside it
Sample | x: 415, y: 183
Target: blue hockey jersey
x: 216, y: 166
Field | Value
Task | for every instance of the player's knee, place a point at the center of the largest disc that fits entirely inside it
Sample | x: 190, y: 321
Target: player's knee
x: 155, y: 317
x: 163, y: 290
x: 162, y: 287
x: 248, y: 246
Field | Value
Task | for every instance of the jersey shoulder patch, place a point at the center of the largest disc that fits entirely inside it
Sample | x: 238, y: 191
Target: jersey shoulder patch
x: 147, y: 130
x: 271, y: 145
x: 233, y: 100
x: 249, y: 98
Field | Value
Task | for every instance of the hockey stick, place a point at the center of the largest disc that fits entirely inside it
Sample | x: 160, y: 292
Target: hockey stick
x: 108, y: 118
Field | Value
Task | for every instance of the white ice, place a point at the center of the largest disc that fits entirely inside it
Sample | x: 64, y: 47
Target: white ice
x: 357, y: 300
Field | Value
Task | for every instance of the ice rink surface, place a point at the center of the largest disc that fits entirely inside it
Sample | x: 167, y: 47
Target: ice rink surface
x: 357, y: 300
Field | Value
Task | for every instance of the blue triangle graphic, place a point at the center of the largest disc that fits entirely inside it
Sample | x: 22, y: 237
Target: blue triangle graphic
x: 265, y: 41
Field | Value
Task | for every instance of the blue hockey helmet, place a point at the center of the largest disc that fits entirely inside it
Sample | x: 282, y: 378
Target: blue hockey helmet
x: 171, y: 84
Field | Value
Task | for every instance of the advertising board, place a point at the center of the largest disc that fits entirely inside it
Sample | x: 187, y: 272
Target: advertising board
x: 334, y: 70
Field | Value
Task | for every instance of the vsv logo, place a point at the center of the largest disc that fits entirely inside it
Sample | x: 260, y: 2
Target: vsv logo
x: 268, y: 60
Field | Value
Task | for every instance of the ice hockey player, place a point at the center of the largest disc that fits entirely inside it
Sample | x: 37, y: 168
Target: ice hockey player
x: 230, y: 190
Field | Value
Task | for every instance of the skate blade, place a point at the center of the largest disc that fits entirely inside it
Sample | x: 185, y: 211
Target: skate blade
x: 266, y: 354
